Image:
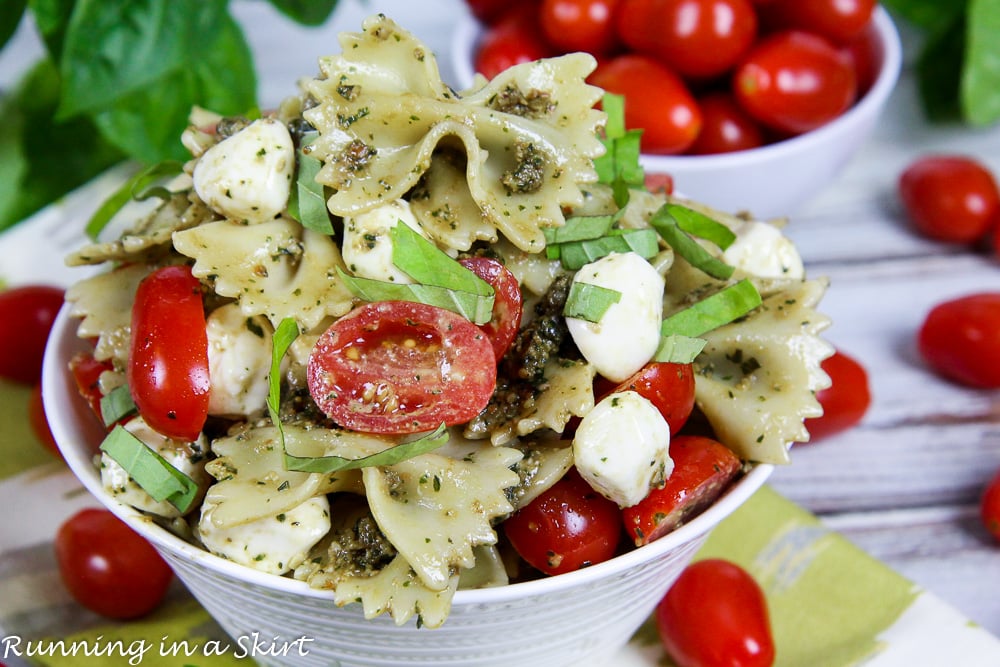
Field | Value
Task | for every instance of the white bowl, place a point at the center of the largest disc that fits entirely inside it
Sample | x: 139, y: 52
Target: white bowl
x: 583, y: 617
x: 771, y: 181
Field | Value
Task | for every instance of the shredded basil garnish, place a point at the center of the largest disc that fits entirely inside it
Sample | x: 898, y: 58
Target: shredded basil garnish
x: 698, y: 224
x: 116, y: 404
x: 577, y: 254
x: 619, y: 166
x: 589, y: 302
x: 723, y: 307
x: 140, y: 187
x: 151, y: 471
x: 667, y: 226
x: 307, y: 200
x: 679, y: 349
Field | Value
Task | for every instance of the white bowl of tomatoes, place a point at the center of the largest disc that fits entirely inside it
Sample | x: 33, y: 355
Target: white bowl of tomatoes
x: 757, y: 111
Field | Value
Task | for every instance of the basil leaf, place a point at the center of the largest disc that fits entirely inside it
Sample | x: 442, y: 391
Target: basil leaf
x: 939, y: 72
x: 619, y: 167
x: 281, y: 340
x: 581, y: 228
x: 116, y: 404
x: 307, y: 202
x: 388, y: 457
x: 668, y: 228
x: 980, y: 87
x: 10, y: 16
x: 473, y: 307
x: 589, y: 302
x: 306, y: 12
x: 677, y: 349
x: 427, y: 264
x: 640, y: 241
x: 698, y: 224
x: 723, y: 307
x: 127, y: 192
x: 151, y: 471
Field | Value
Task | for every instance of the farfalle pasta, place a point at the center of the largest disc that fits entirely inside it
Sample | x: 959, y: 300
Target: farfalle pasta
x: 370, y: 257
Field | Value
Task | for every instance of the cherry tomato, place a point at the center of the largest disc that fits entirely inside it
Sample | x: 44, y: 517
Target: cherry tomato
x: 794, y: 82
x: 726, y: 127
x: 492, y: 11
x: 507, y: 301
x: 657, y: 101
x: 87, y: 374
x: 515, y: 39
x: 960, y: 340
x: 26, y: 316
x: 951, y: 198
x: 838, y: 20
x: 168, y: 359
x: 401, y: 367
x: 668, y: 386
x: 845, y: 401
x: 109, y: 568
x: 864, y: 52
x: 568, y: 527
x: 703, y: 469
x: 697, y: 39
x: 989, y: 506
x: 39, y: 423
x: 580, y: 25
x: 659, y: 183
x: 716, y: 615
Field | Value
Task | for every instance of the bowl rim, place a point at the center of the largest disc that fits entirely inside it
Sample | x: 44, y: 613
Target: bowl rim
x: 59, y: 391
x: 469, y: 30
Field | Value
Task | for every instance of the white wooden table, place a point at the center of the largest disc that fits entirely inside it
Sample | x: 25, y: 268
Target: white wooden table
x: 904, y: 485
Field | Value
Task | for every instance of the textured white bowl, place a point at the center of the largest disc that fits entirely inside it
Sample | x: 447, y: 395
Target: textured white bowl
x: 580, y: 618
x: 771, y: 181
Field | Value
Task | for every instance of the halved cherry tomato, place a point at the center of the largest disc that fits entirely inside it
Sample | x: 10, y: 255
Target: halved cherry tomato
x: 657, y: 101
x: 951, y: 198
x: 26, y: 316
x: 837, y: 20
x: 845, y: 401
x: 507, y: 302
x: 989, y: 506
x: 725, y: 127
x: 659, y: 183
x: 401, y: 367
x: 87, y: 373
x: 39, y: 423
x: 795, y: 81
x: 668, y: 386
x: 514, y: 39
x: 567, y: 527
x: 960, y: 339
x: 167, y: 370
x: 703, y: 469
x: 697, y: 39
x: 108, y: 567
x: 716, y: 615
x: 580, y: 25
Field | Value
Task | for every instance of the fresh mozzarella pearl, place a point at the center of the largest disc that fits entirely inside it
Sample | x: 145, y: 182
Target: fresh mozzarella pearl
x: 621, y: 448
x: 760, y: 249
x: 272, y: 544
x: 248, y: 176
x: 628, y: 334
x: 187, y: 457
x: 367, y: 247
x: 239, y: 361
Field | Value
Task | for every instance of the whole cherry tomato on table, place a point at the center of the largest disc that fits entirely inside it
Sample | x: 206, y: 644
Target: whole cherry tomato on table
x: 167, y: 370
x: 580, y: 25
x: 794, y: 82
x: 726, y: 127
x: 657, y: 101
x: 989, y: 506
x: 697, y: 39
x: 567, y: 527
x: 838, y: 20
x: 960, y: 340
x: 702, y: 470
x: 845, y: 401
x: 108, y: 567
x: 951, y: 198
x: 26, y: 316
x: 401, y: 367
x: 716, y: 615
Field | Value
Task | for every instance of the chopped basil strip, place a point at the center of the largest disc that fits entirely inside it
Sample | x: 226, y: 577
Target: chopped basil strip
x: 643, y: 242
x: 388, y: 457
x: 429, y: 265
x: 698, y: 224
x: 667, y: 226
x: 589, y: 302
x: 283, y: 337
x: 619, y: 166
x: 139, y: 187
x: 307, y: 200
x: 678, y: 349
x: 116, y: 404
x: 477, y: 309
x: 151, y: 471
x: 581, y: 228
x: 726, y: 305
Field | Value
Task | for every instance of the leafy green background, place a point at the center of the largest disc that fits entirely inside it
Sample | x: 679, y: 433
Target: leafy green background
x: 118, y: 82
